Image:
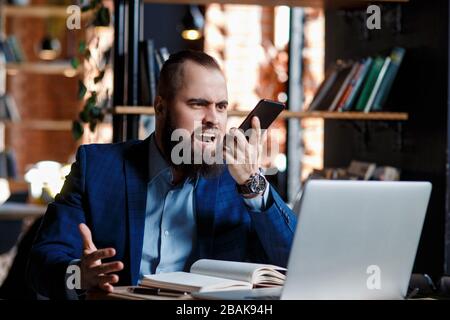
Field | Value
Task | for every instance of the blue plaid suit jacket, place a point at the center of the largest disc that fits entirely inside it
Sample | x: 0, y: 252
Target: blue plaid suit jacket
x: 106, y: 189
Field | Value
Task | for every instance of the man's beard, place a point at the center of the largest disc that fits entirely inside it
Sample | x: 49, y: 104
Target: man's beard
x: 192, y: 169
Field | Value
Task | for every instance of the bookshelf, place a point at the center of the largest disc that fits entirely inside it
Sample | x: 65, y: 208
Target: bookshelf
x: 37, y: 11
x: 420, y: 149
x: 49, y: 68
x: 45, y: 125
x: 51, y: 125
x: 386, y: 116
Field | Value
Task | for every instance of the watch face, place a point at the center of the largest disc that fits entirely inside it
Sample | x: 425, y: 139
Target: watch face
x: 257, y: 184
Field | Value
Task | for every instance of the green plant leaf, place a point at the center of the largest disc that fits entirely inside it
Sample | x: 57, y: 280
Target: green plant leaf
x: 87, y: 108
x: 92, y: 4
x: 81, y: 46
x: 95, y: 112
x: 84, y: 116
x: 102, y: 19
x: 92, y: 125
x: 75, y: 63
x: 86, y: 8
x: 81, y: 90
x: 93, y: 98
x: 77, y: 130
x: 99, y: 77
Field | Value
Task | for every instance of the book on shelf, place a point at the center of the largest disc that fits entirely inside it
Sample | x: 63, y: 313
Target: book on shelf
x: 327, y: 93
x: 349, y: 86
x: 8, y: 109
x: 361, y: 170
x: 7, y: 52
x: 369, y: 83
x: 8, y: 164
x: 16, y: 49
x: 396, y: 57
x: 358, y: 170
x: 335, y: 104
x: 216, y: 275
x: 324, y: 87
x: 12, y: 50
x: 147, y: 72
x: 377, y: 84
x: 161, y: 55
x: 386, y: 173
x: 356, y: 84
x: 363, y: 85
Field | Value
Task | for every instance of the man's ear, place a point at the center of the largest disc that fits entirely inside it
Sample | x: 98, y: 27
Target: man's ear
x: 159, y: 105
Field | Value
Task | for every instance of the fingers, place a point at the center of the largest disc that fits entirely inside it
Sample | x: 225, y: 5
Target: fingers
x: 262, y: 145
x: 86, y: 236
x: 236, y: 136
x: 107, y: 279
x: 99, y: 254
x: 108, y: 267
x: 235, y: 146
x: 255, y: 134
x: 107, y: 287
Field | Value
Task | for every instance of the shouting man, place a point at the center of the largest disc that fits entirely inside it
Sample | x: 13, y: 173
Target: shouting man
x: 134, y: 208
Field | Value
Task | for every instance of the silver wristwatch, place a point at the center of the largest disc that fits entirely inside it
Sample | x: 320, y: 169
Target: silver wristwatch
x: 255, y: 185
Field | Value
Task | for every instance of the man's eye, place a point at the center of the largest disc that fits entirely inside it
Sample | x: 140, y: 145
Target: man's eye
x: 222, y: 107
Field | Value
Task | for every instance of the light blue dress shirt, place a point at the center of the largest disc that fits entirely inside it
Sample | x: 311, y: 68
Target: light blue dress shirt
x: 170, y: 223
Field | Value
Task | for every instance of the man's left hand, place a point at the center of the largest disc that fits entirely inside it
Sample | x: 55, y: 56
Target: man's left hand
x: 244, y: 157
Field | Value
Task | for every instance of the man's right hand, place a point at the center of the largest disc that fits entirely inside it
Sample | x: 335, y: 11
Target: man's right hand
x: 94, y: 273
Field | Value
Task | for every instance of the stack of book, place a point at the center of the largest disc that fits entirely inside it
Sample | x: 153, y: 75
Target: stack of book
x: 358, y: 86
x: 8, y: 109
x: 358, y: 170
x: 12, y: 50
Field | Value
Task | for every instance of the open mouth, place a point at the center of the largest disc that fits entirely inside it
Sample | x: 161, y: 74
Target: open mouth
x: 207, y: 137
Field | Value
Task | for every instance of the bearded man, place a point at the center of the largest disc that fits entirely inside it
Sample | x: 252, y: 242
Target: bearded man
x: 132, y: 208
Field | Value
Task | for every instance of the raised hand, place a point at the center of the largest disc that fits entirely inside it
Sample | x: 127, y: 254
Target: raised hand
x: 94, y: 273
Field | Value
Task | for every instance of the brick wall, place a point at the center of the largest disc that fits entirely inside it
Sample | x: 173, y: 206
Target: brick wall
x: 41, y: 97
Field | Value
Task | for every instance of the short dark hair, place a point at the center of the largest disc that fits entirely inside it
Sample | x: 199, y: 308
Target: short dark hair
x: 171, y: 75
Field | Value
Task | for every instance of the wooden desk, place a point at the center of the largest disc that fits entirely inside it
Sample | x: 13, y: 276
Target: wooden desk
x: 19, y: 211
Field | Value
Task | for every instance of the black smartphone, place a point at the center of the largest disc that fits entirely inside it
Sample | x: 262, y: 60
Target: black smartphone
x: 266, y: 110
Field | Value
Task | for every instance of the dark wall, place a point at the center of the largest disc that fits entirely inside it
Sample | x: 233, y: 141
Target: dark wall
x: 162, y: 22
x: 417, y: 146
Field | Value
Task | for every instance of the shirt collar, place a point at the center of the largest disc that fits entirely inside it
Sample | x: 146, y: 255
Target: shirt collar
x: 158, y: 164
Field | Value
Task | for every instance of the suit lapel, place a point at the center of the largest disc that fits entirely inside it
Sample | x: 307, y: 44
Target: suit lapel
x: 136, y: 179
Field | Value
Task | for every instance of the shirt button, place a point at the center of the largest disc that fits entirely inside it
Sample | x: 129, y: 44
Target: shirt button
x: 166, y: 233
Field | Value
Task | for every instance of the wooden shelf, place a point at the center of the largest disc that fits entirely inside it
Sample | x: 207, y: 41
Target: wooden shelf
x: 52, y: 125
x: 63, y: 68
x: 386, y: 116
x: 293, y: 3
x: 37, y: 11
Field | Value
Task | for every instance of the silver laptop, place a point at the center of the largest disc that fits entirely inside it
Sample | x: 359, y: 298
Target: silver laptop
x: 354, y: 240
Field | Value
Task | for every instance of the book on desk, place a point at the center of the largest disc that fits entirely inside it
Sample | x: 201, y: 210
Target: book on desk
x: 206, y: 275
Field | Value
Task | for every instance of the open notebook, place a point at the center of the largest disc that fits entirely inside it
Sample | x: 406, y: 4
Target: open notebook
x: 215, y: 275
